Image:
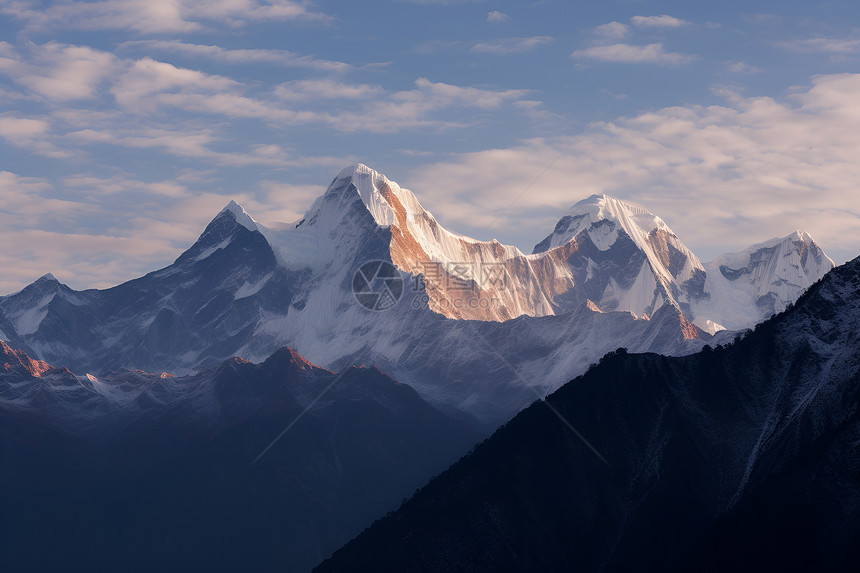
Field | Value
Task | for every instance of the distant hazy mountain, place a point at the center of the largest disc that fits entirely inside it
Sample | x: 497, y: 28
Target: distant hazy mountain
x: 740, y: 458
x: 470, y: 326
x: 140, y: 472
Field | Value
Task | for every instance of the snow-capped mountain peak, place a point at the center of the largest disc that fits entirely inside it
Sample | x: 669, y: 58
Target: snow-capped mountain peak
x: 636, y: 221
x: 652, y: 266
x: 368, y: 184
x: 617, y: 254
x: 240, y: 215
x: 32, y: 303
x: 365, y: 216
x: 748, y: 286
x: 648, y: 231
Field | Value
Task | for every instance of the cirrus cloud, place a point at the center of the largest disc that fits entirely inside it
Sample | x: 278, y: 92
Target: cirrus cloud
x: 631, y: 54
x: 511, y: 45
x: 283, y: 58
x: 839, y: 46
x: 495, y: 17
x: 155, y: 16
x: 664, y: 21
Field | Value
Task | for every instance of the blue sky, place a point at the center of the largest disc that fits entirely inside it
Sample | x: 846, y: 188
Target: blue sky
x: 126, y: 126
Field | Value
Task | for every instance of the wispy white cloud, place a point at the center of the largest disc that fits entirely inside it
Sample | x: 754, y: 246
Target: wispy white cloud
x: 27, y: 205
x: 606, y: 47
x: 722, y: 177
x: 95, y: 186
x: 155, y: 105
x: 742, y: 68
x: 631, y: 54
x: 612, y: 30
x: 58, y: 71
x: 281, y: 202
x: 303, y: 90
x: 144, y: 224
x: 761, y: 18
x: 417, y: 108
x: 838, y: 46
x: 32, y: 134
x: 14, y: 128
x: 156, y: 16
x: 187, y: 142
x: 439, y: 2
x: 14, y: 188
x: 495, y: 17
x: 283, y: 58
x: 149, y: 85
x: 92, y: 106
x: 511, y: 45
x: 664, y: 21
x: 442, y: 94
x: 146, y: 84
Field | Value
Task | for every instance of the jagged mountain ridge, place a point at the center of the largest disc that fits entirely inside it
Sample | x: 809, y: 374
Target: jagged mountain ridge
x: 197, y: 311
x: 247, y: 289
x: 739, y: 458
x: 173, y: 457
x: 617, y: 255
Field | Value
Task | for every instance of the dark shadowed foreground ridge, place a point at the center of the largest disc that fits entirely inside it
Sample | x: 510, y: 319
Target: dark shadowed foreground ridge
x: 738, y: 458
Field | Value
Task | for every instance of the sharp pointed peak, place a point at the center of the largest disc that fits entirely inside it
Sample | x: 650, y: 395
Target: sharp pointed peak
x: 801, y: 235
x: 240, y: 215
x: 46, y: 281
x: 370, y: 186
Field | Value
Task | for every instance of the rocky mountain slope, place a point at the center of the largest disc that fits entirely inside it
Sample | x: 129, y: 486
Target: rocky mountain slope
x: 737, y: 458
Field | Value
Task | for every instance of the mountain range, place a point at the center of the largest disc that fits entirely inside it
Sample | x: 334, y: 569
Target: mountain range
x: 476, y: 326
x: 181, y: 416
x: 136, y: 471
x: 739, y: 458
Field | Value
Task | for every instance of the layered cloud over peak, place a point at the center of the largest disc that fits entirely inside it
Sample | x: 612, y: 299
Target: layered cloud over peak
x: 751, y: 167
